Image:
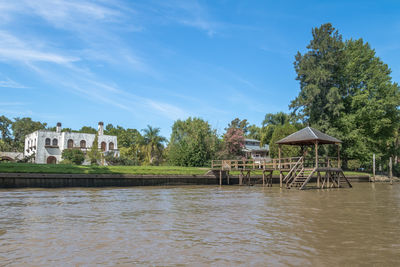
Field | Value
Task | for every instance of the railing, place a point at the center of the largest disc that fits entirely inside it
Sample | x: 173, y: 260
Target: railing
x: 274, y: 164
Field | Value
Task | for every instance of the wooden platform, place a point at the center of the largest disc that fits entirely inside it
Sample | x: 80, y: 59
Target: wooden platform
x: 295, y: 172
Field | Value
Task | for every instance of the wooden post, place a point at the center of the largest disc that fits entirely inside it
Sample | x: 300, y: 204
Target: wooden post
x: 279, y: 166
x: 390, y: 170
x: 373, y: 167
x: 227, y: 176
x: 338, y: 156
x: 316, y: 154
x: 318, y: 179
x: 241, y: 177
x: 263, y: 178
x: 220, y: 177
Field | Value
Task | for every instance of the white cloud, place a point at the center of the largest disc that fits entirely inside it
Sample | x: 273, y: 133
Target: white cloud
x: 11, y: 84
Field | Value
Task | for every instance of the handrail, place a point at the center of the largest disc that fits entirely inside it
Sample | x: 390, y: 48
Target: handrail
x: 293, y: 168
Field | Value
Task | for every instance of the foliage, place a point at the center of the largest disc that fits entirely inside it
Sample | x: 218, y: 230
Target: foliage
x: 353, y: 164
x: 239, y: 124
x: 111, y: 159
x: 88, y: 129
x: 5, y: 124
x: 254, y: 132
x: 347, y: 92
x: 192, y: 143
x: 21, y: 127
x: 94, y: 153
x: 234, y: 142
x: 269, y: 124
x: 75, y: 156
x: 153, y: 144
x: 280, y: 132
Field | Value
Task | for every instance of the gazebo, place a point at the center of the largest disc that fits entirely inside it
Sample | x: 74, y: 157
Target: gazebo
x: 298, y: 171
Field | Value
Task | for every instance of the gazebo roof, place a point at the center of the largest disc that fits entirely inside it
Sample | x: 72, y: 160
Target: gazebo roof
x: 308, y: 136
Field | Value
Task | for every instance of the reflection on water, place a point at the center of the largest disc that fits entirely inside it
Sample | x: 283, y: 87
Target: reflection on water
x: 201, y: 225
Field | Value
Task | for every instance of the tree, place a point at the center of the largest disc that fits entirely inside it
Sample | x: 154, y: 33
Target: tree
x: 281, y: 131
x: 75, y: 156
x: 269, y: 124
x: 192, y: 143
x: 346, y: 91
x: 153, y: 144
x: 254, y: 132
x: 21, y: 127
x: 5, y: 124
x: 94, y: 153
x: 239, y: 124
x: 234, y: 142
x: 88, y: 129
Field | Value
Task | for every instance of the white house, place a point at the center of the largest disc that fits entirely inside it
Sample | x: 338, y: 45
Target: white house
x: 48, y: 145
x: 253, y: 150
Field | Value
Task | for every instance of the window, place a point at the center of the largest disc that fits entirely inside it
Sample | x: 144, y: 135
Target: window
x: 70, y: 143
x: 29, y: 143
x: 55, y: 142
x: 111, y: 146
x: 103, y: 146
x: 83, y: 144
x: 47, y: 141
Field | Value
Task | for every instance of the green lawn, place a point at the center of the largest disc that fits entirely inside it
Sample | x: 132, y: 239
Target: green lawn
x: 61, y: 168
x: 70, y: 169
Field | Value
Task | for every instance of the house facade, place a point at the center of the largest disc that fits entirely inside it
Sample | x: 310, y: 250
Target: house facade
x: 47, y: 146
x: 254, y: 151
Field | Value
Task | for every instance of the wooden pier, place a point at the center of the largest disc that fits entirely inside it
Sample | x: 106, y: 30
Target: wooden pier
x: 294, y: 172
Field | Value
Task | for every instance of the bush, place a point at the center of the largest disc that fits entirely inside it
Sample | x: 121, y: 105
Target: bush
x: 75, y: 156
x: 112, y: 160
x: 353, y: 164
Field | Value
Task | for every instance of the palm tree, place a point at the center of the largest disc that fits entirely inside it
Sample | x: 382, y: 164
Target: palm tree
x: 153, y: 142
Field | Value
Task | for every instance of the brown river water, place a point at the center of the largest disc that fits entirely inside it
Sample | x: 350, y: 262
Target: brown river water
x: 201, y: 226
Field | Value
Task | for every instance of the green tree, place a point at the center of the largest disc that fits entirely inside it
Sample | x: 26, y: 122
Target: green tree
x: 153, y: 144
x: 281, y: 131
x: 75, y: 156
x: 21, y: 127
x: 88, y: 129
x: 254, y: 132
x: 192, y: 143
x: 5, y: 140
x: 239, y: 124
x: 346, y: 91
x: 94, y: 152
x: 269, y: 124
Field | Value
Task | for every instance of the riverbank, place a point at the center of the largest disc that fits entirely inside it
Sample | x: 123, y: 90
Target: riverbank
x: 57, y: 180
x: 134, y: 170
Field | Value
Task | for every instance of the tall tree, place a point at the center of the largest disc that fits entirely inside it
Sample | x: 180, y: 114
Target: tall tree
x: 192, y: 143
x: 94, y: 152
x: 21, y: 127
x: 346, y: 91
x: 5, y: 124
x: 153, y: 143
x: 239, y: 124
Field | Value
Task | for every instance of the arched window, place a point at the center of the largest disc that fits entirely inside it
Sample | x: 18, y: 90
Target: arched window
x: 47, y: 141
x: 29, y: 143
x: 103, y: 146
x: 111, y: 146
x: 83, y: 144
x: 55, y: 142
x: 70, y: 143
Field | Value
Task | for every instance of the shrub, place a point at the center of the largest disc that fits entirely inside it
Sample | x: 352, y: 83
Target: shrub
x: 75, y: 156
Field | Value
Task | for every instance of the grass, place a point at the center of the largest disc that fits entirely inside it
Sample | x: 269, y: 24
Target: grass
x: 75, y: 169
x: 155, y: 170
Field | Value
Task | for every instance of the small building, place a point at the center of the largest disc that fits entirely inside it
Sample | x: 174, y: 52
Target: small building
x: 254, y: 150
x: 47, y: 146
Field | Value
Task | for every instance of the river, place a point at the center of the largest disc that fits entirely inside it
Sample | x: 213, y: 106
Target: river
x: 201, y: 225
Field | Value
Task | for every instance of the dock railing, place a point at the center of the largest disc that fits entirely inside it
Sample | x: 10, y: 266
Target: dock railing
x: 273, y: 164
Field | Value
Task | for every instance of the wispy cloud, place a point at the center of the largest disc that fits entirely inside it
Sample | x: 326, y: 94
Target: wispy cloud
x: 14, y: 49
x: 8, y: 83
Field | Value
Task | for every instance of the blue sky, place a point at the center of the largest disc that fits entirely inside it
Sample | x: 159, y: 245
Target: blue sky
x: 133, y: 63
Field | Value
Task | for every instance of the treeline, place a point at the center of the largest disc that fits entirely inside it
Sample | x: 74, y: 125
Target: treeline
x: 345, y: 91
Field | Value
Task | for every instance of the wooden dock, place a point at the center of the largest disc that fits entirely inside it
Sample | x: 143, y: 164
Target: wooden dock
x: 294, y: 172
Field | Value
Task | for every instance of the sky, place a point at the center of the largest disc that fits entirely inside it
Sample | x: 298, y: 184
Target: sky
x: 138, y: 63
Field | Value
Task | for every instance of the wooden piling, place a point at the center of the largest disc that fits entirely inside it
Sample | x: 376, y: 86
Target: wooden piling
x: 373, y: 167
x: 390, y: 170
x: 220, y: 177
x: 280, y: 169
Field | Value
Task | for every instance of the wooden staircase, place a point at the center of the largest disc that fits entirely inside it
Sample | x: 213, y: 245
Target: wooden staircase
x: 302, y: 178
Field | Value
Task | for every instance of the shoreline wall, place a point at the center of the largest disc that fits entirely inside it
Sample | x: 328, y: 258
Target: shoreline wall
x: 49, y: 180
